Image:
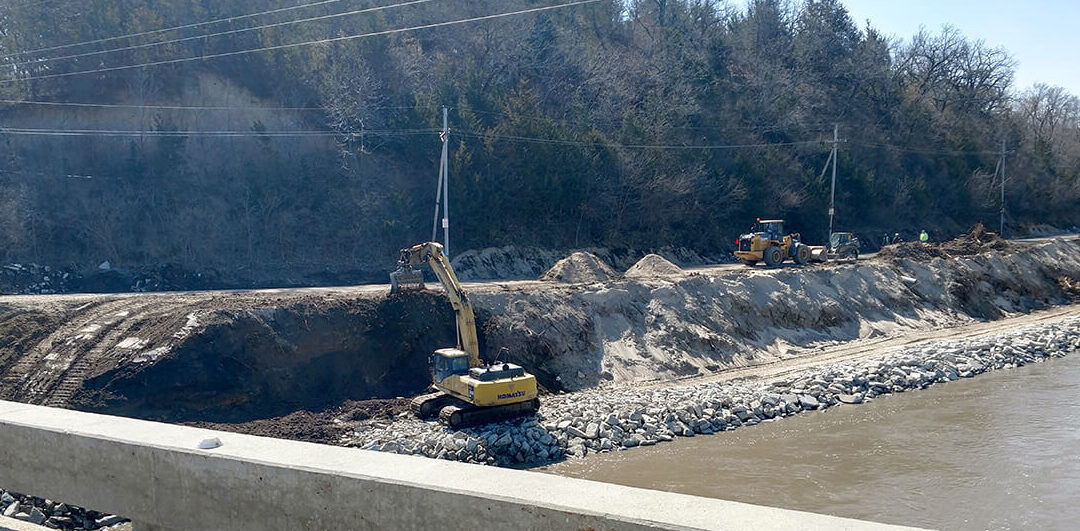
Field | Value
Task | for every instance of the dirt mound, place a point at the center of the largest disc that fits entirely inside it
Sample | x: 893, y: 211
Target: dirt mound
x: 978, y: 241
x: 503, y: 263
x: 918, y: 251
x: 653, y: 265
x: 580, y: 267
x: 325, y: 427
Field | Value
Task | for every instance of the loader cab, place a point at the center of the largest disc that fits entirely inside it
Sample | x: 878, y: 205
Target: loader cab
x: 448, y: 362
x: 772, y: 228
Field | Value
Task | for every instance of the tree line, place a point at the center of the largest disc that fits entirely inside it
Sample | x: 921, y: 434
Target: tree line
x: 619, y: 123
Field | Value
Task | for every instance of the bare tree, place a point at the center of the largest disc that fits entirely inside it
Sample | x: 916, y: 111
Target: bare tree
x: 1051, y: 115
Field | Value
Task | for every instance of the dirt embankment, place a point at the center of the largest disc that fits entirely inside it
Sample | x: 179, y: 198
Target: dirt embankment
x: 214, y: 356
x: 238, y: 357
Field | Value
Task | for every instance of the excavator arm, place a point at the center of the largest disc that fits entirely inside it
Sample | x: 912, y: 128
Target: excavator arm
x: 432, y: 254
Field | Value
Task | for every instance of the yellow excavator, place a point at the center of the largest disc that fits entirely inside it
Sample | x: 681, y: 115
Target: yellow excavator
x: 468, y: 391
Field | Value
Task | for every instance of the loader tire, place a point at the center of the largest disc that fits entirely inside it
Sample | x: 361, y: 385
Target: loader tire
x: 802, y: 254
x: 773, y: 256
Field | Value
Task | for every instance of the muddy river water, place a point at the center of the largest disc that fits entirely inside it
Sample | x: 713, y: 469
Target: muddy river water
x: 1000, y: 451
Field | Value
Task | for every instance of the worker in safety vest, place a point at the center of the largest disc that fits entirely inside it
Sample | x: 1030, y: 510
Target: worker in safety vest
x: 923, y: 236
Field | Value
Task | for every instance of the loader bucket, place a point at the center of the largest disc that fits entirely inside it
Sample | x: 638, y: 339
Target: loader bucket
x: 406, y: 279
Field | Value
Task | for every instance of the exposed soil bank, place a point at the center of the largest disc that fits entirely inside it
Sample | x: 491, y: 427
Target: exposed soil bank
x: 214, y: 356
x: 243, y: 356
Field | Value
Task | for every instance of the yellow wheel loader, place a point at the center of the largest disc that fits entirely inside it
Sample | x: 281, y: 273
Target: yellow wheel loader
x: 468, y: 391
x: 767, y: 242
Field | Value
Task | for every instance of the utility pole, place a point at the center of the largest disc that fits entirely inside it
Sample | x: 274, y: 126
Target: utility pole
x: 832, y: 194
x: 445, y: 178
x: 442, y: 190
x: 1001, y: 227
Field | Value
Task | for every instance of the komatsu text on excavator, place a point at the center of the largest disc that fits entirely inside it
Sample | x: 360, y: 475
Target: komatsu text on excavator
x: 469, y: 392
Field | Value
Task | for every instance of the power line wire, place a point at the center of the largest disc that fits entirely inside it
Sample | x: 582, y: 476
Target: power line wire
x: 156, y: 107
x: 182, y: 107
x: 174, y: 28
x: 304, y: 43
x: 43, y: 174
x: 220, y: 133
x: 219, y: 34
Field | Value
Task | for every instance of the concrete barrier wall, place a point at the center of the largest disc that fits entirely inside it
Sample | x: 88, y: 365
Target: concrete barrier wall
x: 156, y: 475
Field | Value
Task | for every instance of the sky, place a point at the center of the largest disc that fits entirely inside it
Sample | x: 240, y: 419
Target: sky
x: 1043, y: 36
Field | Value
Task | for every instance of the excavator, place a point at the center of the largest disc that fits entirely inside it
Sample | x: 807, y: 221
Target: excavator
x: 468, y: 392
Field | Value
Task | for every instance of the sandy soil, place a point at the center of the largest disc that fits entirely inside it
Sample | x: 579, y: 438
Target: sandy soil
x: 802, y: 359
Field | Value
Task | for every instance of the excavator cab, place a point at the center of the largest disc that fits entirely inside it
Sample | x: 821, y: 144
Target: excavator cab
x: 449, y: 361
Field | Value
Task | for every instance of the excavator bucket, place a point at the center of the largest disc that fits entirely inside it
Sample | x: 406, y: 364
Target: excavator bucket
x: 406, y: 279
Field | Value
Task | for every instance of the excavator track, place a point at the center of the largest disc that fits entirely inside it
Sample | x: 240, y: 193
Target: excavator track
x: 428, y: 405
x: 464, y: 415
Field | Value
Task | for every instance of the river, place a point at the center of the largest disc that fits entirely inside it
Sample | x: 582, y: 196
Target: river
x: 999, y: 451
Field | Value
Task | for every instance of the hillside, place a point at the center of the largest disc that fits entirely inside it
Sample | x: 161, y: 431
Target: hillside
x: 232, y: 142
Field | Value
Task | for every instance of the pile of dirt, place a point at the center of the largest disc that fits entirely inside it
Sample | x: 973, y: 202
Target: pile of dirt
x: 326, y: 427
x: 653, y: 265
x: 580, y: 267
x: 520, y: 263
x: 921, y: 252
x: 503, y: 263
x: 978, y: 241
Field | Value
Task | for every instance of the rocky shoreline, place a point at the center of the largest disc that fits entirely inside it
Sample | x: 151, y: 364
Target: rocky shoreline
x: 603, y: 420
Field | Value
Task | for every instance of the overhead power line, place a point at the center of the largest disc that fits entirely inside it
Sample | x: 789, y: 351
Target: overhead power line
x: 237, y: 133
x: 185, y: 107
x: 163, y: 107
x: 304, y: 43
x: 174, y: 28
x: 43, y: 174
x: 219, y: 34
